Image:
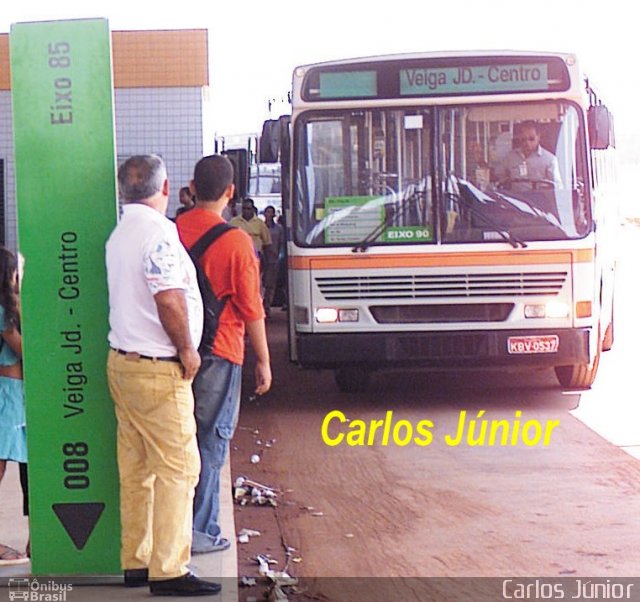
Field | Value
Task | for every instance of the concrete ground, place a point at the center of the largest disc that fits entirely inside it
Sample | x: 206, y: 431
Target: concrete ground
x: 220, y: 567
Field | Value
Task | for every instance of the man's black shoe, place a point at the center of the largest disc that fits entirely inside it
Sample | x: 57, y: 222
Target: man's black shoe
x: 136, y: 577
x: 187, y: 585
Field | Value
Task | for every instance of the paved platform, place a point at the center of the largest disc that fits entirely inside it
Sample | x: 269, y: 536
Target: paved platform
x: 220, y: 566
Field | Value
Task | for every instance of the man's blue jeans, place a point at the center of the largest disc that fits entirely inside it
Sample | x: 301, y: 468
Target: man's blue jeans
x: 216, y: 389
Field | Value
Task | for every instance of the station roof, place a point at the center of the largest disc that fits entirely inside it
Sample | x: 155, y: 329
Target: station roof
x: 146, y: 59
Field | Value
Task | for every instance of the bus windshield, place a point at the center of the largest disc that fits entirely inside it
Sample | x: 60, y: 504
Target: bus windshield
x: 478, y: 173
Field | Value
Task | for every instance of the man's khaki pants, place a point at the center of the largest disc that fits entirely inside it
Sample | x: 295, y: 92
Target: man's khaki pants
x: 158, y: 461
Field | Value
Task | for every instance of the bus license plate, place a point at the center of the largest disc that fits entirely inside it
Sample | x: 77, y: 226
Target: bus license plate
x: 534, y: 344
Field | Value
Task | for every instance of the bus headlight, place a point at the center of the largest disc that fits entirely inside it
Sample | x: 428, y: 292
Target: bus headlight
x: 326, y: 315
x: 553, y: 309
x: 557, y: 309
x: 330, y: 315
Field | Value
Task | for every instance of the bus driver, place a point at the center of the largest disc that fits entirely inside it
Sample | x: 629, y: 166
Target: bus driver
x: 529, y: 166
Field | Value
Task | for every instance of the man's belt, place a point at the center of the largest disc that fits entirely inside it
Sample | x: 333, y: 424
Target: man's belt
x: 138, y: 356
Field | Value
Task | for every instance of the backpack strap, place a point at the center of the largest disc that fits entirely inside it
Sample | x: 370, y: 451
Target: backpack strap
x: 213, y: 306
x: 208, y: 238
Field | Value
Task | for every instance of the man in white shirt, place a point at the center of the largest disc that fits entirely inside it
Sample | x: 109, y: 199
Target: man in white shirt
x: 530, y: 167
x: 155, y: 317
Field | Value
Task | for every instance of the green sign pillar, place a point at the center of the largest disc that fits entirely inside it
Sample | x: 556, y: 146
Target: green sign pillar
x: 66, y: 195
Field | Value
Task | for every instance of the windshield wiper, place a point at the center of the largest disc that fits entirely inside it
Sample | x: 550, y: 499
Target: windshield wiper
x: 521, y: 205
x: 390, y: 216
x: 533, y: 211
x: 507, y: 236
x: 376, y: 233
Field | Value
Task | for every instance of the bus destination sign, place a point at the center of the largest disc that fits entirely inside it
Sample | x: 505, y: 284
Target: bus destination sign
x: 435, y: 77
x: 471, y: 79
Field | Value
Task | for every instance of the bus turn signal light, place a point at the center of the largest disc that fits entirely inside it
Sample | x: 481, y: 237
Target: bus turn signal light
x: 583, y: 309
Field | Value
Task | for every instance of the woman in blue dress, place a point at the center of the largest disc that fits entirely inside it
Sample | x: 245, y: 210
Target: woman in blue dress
x: 13, y: 441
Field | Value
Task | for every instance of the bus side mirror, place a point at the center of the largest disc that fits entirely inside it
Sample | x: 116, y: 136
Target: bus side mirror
x: 600, y: 127
x: 239, y: 159
x: 269, y: 151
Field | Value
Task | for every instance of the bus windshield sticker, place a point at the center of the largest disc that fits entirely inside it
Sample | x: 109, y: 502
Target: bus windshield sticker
x: 470, y: 79
x: 408, y: 234
x: 350, y: 219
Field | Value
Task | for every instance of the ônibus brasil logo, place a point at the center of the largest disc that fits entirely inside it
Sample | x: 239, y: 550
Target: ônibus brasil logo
x: 32, y: 590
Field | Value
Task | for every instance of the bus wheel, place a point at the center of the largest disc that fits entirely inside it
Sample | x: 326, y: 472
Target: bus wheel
x: 352, y: 379
x: 577, y: 377
x: 580, y: 376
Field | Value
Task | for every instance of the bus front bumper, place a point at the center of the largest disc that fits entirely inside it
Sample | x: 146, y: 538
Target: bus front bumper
x: 438, y: 349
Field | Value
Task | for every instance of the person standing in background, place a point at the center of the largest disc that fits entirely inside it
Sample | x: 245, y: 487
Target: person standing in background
x: 253, y: 226
x: 187, y: 201
x: 271, y: 258
x: 13, y: 434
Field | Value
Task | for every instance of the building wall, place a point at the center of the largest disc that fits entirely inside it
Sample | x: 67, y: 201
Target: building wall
x: 161, y: 106
x: 165, y: 121
x: 6, y: 156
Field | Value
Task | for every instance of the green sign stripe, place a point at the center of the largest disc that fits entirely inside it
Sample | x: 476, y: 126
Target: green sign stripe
x: 64, y: 148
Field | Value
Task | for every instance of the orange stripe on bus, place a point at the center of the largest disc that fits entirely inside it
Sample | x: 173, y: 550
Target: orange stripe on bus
x: 426, y: 260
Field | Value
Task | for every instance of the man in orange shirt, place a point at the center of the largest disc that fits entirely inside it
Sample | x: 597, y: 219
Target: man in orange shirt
x: 233, y: 271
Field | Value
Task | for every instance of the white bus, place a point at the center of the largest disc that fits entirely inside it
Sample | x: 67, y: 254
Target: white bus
x: 448, y: 211
x: 254, y: 178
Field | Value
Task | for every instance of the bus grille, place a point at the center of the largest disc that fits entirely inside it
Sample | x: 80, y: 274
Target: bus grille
x: 434, y: 286
x: 450, y: 346
x: 442, y: 312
